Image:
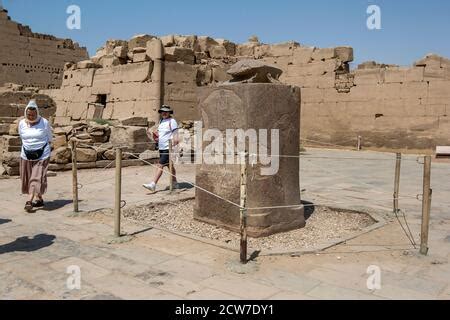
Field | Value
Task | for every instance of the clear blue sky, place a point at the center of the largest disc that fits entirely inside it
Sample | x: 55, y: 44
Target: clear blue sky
x: 410, y: 28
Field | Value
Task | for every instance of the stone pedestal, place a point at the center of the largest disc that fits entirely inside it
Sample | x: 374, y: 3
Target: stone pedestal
x: 252, y: 106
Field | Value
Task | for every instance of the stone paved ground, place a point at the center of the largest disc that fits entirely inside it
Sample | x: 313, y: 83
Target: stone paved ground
x: 36, y: 249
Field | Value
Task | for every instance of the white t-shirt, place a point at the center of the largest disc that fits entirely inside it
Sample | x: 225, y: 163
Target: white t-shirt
x: 35, y: 137
x: 166, y: 129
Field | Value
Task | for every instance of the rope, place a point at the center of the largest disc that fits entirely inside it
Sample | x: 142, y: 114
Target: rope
x: 408, y: 233
x: 190, y: 183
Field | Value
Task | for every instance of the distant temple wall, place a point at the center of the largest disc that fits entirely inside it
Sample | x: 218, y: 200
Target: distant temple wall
x: 32, y: 59
x: 388, y: 106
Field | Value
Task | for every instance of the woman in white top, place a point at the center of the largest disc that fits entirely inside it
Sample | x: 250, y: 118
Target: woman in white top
x: 167, y: 130
x: 36, y: 135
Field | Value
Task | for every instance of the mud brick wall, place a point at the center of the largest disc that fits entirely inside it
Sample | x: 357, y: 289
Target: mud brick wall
x: 32, y: 59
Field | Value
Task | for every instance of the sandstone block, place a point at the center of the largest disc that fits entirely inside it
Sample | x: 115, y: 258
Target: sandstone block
x: 179, y: 73
x: 176, y: 54
x: 86, y: 155
x: 180, y: 93
x: 139, y: 41
x: 439, y: 89
x: 168, y: 41
x: 414, y: 90
x: 189, y: 42
x: 312, y: 95
x: 155, y: 49
x: 12, y: 141
x: 218, y: 52
x: 135, y: 72
x: 86, y: 77
x: 395, y: 75
x: 125, y: 91
x: 11, y: 171
x: 135, y: 122
x: 135, y: 138
x: 102, y: 81
x: 246, y: 49
x: 433, y: 74
x: 204, y: 43
x: 61, y: 155
x: 229, y: 46
x: 345, y: 54
x: 261, y: 51
x: 312, y: 69
x: 86, y: 64
x: 120, y: 52
x: 140, y: 57
x: 323, y: 54
x: 302, y: 55
x: 370, y: 76
x: 282, y: 49
x: 139, y: 50
x: 228, y: 107
x: 59, y: 141
x: 11, y: 159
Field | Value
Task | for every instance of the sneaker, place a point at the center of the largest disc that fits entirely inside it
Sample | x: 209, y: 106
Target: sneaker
x: 150, y: 186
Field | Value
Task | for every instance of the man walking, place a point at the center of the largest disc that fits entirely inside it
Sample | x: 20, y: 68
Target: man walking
x: 167, y: 130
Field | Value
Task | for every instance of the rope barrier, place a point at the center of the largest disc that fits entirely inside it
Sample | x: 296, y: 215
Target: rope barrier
x: 190, y: 183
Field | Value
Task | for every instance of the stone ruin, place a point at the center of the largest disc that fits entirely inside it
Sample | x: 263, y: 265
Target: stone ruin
x: 389, y: 106
x: 234, y: 105
x: 33, y: 59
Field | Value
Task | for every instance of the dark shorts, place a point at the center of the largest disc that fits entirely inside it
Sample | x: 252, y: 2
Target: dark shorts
x: 164, y: 157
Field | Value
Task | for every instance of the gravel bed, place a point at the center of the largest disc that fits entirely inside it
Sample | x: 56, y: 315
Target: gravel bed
x: 323, y: 225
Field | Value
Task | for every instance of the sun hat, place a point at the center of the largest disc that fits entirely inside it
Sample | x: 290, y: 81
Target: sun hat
x: 165, y: 108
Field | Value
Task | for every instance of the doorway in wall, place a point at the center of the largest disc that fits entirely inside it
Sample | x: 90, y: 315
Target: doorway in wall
x: 100, y: 105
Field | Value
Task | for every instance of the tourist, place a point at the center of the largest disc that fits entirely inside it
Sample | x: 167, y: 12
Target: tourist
x: 36, y: 135
x: 167, y: 130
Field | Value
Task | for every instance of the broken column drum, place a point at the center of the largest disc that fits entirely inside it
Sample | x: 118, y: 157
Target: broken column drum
x: 252, y: 106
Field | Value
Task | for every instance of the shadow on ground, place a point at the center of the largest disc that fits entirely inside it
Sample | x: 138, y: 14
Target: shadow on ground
x: 57, y: 204
x: 3, y: 221
x: 184, y: 185
x: 309, y: 209
x: 26, y: 244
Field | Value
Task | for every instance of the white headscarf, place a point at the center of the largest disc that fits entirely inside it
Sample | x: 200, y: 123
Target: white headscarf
x: 32, y: 104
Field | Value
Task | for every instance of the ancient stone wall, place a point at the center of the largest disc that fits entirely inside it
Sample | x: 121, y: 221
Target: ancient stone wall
x: 32, y: 59
x: 389, y: 106
x: 122, y: 78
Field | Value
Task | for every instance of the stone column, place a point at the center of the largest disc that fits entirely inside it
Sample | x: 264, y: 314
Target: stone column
x: 155, y: 50
x: 252, y: 106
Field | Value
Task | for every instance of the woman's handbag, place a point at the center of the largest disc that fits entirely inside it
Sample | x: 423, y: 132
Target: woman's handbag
x: 34, y: 155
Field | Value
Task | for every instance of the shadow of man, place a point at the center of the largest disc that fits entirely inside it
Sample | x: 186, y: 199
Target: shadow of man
x: 26, y: 244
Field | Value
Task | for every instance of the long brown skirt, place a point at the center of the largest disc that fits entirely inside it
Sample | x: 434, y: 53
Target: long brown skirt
x: 33, y: 175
